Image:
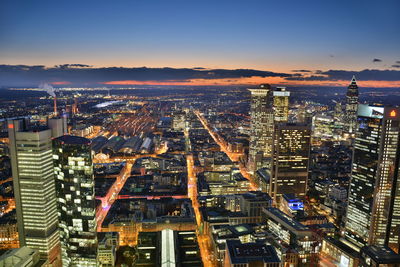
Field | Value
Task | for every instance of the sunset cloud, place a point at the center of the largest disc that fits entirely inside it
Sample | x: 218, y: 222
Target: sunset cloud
x: 85, y: 75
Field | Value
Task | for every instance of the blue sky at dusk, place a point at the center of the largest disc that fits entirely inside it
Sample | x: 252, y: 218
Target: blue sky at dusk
x: 276, y: 36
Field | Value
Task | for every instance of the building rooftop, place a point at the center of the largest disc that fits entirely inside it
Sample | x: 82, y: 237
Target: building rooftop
x: 251, y: 252
x: 73, y: 140
x: 342, y: 246
x: 287, y: 220
x: 256, y: 196
x: 265, y: 174
x: 380, y: 254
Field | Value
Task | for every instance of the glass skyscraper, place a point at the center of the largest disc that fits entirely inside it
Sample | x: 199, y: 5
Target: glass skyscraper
x: 281, y: 104
x: 373, y: 212
x: 73, y: 169
x: 385, y: 223
x: 262, y: 125
x: 351, y: 106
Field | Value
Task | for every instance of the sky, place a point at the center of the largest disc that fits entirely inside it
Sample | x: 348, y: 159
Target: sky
x: 279, y: 37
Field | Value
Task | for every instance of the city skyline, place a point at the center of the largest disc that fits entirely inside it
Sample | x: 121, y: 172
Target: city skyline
x: 200, y: 133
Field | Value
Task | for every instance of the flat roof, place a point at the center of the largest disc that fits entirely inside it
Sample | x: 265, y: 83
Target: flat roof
x: 287, y: 220
x: 342, y: 246
x: 381, y: 254
x: 251, y: 252
x: 73, y: 140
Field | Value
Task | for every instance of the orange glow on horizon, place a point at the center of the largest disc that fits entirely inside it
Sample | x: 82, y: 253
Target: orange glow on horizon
x: 61, y: 83
x: 254, y: 81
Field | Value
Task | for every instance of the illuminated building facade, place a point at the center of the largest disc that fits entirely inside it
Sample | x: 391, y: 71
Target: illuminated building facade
x: 73, y: 169
x: 291, y: 161
x: 385, y: 221
x: 179, y: 120
x: 291, y: 205
x: 34, y: 188
x: 293, y: 235
x: 351, y: 106
x: 8, y: 231
x: 281, y: 104
x: 365, y: 161
x: 262, y: 124
x: 373, y: 213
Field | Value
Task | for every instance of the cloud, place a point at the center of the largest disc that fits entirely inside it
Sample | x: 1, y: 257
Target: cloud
x: 81, y: 74
x: 301, y: 70
x: 65, y: 66
x: 85, y: 75
x: 343, y: 75
x: 376, y: 60
x: 398, y: 62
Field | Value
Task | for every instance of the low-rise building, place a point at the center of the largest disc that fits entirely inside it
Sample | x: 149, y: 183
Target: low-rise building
x: 250, y: 254
x: 107, y: 248
x: 338, y: 253
x: 291, y: 205
x: 293, y: 235
x: 378, y: 256
x: 21, y: 257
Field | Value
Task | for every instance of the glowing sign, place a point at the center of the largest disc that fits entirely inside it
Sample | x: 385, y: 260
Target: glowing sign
x: 11, y: 126
x: 296, y: 205
x: 393, y: 113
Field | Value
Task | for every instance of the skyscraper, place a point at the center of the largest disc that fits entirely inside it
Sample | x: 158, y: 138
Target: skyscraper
x: 351, y: 106
x: 73, y: 169
x: 385, y: 221
x: 34, y: 189
x: 262, y: 125
x: 291, y: 160
x: 373, y: 212
x: 365, y: 161
x: 281, y: 104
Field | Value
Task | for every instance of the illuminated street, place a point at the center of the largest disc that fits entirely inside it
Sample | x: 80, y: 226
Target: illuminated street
x: 112, y: 195
x: 224, y: 147
x: 203, y: 240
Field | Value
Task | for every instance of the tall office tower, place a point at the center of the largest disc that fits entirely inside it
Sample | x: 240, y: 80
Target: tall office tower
x: 373, y: 212
x: 34, y: 189
x: 73, y: 170
x: 385, y: 224
x: 262, y: 125
x: 351, y: 106
x: 291, y: 160
x: 281, y: 104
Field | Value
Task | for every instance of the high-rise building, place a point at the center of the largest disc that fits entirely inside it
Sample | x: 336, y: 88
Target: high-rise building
x: 373, y: 212
x: 281, y: 104
x: 73, y: 170
x: 291, y: 160
x: 351, y: 106
x: 34, y: 188
x: 385, y: 221
x: 365, y: 161
x: 262, y: 124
